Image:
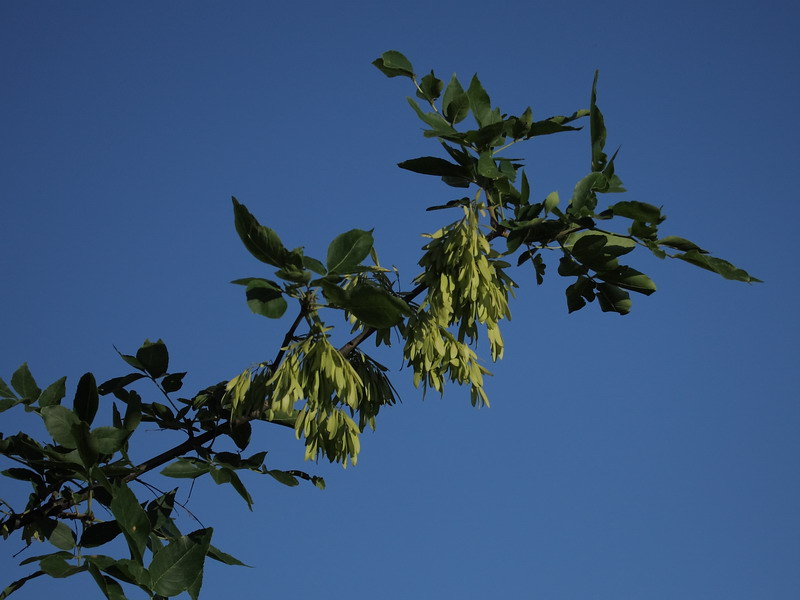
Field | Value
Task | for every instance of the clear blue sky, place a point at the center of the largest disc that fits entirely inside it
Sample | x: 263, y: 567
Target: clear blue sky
x: 648, y: 456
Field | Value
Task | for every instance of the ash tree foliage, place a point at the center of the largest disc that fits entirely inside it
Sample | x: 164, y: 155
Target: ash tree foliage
x: 89, y: 501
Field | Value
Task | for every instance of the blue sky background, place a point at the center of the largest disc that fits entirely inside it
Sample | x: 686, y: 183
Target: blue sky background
x: 648, y: 456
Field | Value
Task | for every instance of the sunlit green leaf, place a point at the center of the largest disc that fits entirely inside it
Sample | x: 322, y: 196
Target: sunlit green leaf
x: 348, y: 250
x: 394, y: 64
x: 53, y: 393
x: 109, y: 440
x: 284, y: 477
x: 717, y: 265
x: 262, y: 242
x: 59, y: 421
x: 176, y: 566
x: 455, y: 102
x: 186, y: 468
x: 679, y: 243
x: 266, y: 298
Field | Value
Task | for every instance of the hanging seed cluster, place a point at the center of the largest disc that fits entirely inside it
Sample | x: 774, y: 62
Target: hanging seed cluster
x: 466, y: 284
x: 436, y: 355
x: 314, y: 371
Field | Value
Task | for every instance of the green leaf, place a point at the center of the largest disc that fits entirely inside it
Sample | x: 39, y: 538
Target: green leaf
x: 294, y: 274
x: 15, y: 585
x: 487, y: 167
x: 153, y: 357
x: 60, y: 535
x: 59, y: 421
x: 431, y: 165
x: 6, y: 403
x: 551, y: 201
x: 109, y: 440
x: 262, y: 242
x: 237, y: 484
x: 186, y: 468
x: 57, y: 567
x: 638, y: 211
x: 86, y: 449
x: 25, y: 384
x: 393, y: 64
x: 5, y: 391
x: 375, y: 307
x: 479, y: 102
x: 613, y: 299
x: 431, y: 87
x: 284, y: 477
x: 54, y: 393
x: 314, y: 265
x: 111, y: 589
x: 679, y: 243
x: 266, y: 298
x: 179, y: 564
x: 224, y: 557
x: 629, y: 279
x: 435, y: 120
x: 583, y: 197
x: 717, y: 265
x: 98, y: 534
x: 131, y: 518
x: 347, y: 250
x: 86, y: 399
x: 455, y: 102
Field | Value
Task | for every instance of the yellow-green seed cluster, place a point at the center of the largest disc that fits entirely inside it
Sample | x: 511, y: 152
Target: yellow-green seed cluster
x: 465, y: 285
x: 314, y: 371
x: 435, y: 355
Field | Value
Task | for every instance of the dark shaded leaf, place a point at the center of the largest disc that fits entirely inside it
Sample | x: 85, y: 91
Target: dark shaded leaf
x: 153, y: 357
x: 431, y: 165
x: 173, y: 382
x: 118, y: 383
x: 86, y: 399
x: 57, y: 567
x: 598, y: 130
x: 240, y: 434
x: 431, y: 87
x: 98, y: 534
